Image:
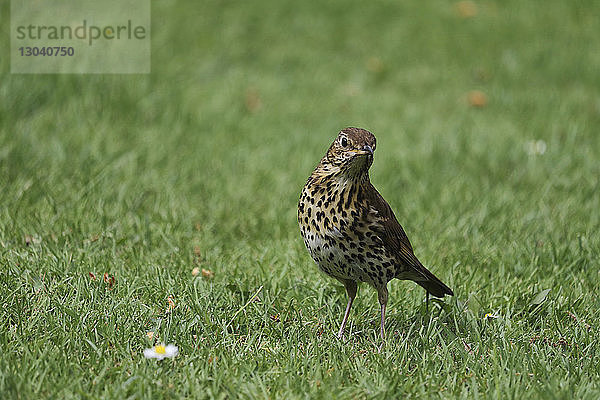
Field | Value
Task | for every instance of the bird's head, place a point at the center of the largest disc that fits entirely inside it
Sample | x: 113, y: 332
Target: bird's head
x: 352, y: 151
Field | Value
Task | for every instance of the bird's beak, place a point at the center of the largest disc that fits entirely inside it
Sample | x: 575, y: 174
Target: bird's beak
x: 365, y: 151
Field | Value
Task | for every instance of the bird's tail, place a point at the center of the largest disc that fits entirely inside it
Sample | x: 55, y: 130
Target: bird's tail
x: 432, y: 284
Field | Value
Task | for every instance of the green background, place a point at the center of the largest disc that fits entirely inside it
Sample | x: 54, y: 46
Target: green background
x: 200, y: 163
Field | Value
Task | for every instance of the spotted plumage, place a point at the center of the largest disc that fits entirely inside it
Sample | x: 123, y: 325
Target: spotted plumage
x: 351, y: 231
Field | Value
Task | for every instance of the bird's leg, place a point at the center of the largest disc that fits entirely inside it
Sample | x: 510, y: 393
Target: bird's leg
x: 351, y: 290
x: 382, y: 331
x: 383, y: 299
x: 426, y: 301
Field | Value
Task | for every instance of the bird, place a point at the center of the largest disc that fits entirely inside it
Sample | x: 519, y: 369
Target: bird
x: 349, y: 229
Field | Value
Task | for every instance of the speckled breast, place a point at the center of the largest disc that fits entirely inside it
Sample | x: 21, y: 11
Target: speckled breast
x: 339, y: 240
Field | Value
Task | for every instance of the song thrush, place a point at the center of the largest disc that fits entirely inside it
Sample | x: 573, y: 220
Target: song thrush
x: 351, y: 231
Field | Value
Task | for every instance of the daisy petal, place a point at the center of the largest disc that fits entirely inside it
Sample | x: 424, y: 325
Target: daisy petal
x: 161, y: 351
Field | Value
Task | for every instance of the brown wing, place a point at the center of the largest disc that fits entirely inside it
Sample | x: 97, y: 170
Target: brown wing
x: 390, y: 231
x: 395, y: 240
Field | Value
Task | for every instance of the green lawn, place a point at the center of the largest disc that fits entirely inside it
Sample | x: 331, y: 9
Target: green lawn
x: 200, y: 164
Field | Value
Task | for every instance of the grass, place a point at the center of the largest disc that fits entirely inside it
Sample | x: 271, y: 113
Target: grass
x: 199, y: 164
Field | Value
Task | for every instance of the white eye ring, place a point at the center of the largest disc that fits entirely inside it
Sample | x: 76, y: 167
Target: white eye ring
x: 344, y: 141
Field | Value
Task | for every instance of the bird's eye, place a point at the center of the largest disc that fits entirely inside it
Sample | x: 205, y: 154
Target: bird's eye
x: 344, y: 142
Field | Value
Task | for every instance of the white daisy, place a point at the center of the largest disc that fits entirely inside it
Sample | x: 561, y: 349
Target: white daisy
x: 161, y: 351
x: 488, y: 316
x: 535, y: 147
